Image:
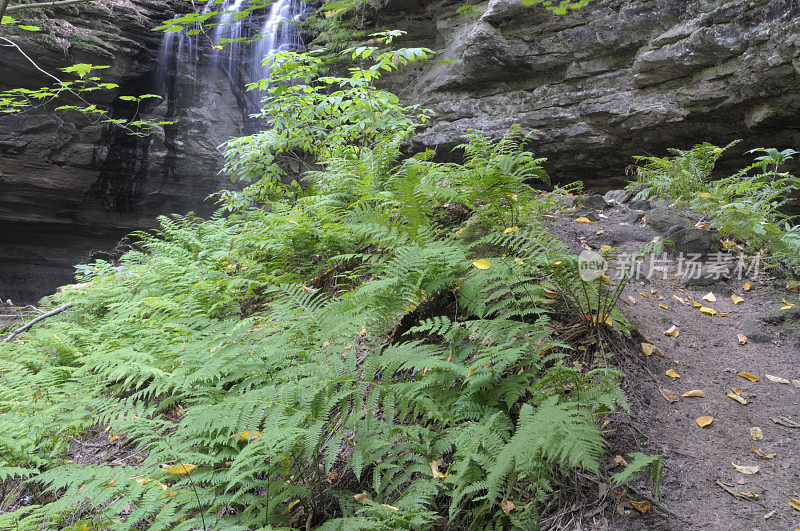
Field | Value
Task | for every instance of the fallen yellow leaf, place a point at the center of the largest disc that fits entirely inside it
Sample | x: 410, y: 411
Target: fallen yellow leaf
x: 696, y: 304
x: 792, y: 287
x: 641, y: 506
x: 507, y: 506
x: 649, y: 350
x: 511, y: 229
x: 756, y: 434
x: 390, y: 507
x: 748, y: 494
x: 742, y: 338
x: 748, y: 376
x: 704, y: 421
x: 605, y: 247
x: 776, y: 379
x: 787, y: 307
x: 738, y: 398
x: 727, y: 243
x: 709, y: 297
x: 662, y: 305
x: 678, y: 299
x: 736, y: 299
x: 708, y: 311
x: 697, y: 393
x: 518, y: 261
x: 179, y: 470
x: 583, y: 220
x: 645, y: 295
x: 482, y: 264
x: 747, y: 470
x: 672, y: 374
x: 633, y: 301
x: 112, y: 438
x: 672, y: 331
x: 795, y: 504
x: 747, y: 286
x: 550, y: 293
x: 705, y: 194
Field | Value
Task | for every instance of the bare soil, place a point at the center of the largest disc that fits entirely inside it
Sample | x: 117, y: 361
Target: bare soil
x: 701, y: 488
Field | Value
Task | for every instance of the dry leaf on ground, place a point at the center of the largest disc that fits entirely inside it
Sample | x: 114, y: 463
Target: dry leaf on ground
x: 672, y: 331
x: 736, y: 299
x: 708, y: 311
x: 785, y: 421
x: 435, y: 470
x: 748, y: 470
x: 729, y: 489
x: 748, y: 376
x: 747, y: 286
x: 507, y: 506
x: 670, y: 395
x: 742, y: 338
x: 649, y: 350
x: 704, y: 421
x: 672, y: 374
x: 696, y: 393
x: 795, y: 503
x: 641, y: 506
x: 776, y: 379
x: 756, y: 434
x: 583, y: 220
x: 738, y: 398
x: 709, y: 297
x: 760, y: 453
x: 362, y: 498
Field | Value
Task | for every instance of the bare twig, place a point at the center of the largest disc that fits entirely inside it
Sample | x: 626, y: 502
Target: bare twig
x: 24, y: 328
x: 20, y: 7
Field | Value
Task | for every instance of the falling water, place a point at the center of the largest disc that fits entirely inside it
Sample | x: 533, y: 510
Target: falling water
x: 239, y: 42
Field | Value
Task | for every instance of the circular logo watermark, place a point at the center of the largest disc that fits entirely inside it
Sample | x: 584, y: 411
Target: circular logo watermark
x: 591, y: 265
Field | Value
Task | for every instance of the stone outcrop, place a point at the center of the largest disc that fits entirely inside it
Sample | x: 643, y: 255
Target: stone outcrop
x: 615, y: 79
x: 69, y: 186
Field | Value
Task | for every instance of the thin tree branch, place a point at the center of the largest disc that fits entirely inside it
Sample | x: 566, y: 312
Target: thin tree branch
x: 20, y: 7
x: 24, y: 328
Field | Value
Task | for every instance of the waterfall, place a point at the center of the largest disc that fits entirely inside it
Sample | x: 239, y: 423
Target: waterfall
x: 232, y: 50
x: 239, y: 42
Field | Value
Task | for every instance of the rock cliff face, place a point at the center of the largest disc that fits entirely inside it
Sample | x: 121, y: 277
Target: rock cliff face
x: 615, y: 79
x: 68, y: 186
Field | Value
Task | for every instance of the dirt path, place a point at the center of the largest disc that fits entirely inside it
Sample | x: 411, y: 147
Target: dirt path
x: 701, y: 486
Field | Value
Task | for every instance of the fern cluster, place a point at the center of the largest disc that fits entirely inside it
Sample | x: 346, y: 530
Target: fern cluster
x: 342, y: 360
